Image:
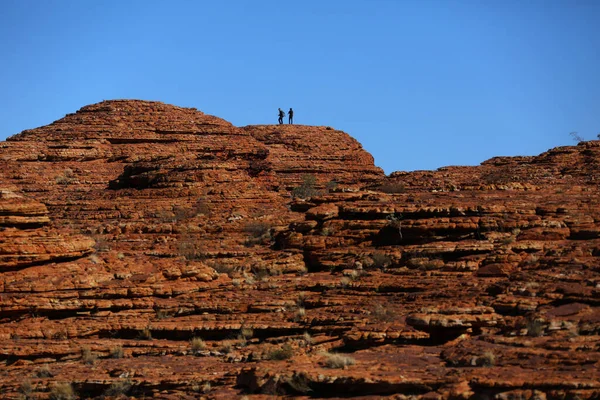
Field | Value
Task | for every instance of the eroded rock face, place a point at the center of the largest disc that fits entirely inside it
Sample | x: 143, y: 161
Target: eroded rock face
x: 151, y: 250
x: 26, y: 237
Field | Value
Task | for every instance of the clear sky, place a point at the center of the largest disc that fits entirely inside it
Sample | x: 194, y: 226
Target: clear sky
x: 421, y: 84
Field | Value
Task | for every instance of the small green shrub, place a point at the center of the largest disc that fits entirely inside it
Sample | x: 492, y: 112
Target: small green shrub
x: 307, y: 188
x: 285, y: 352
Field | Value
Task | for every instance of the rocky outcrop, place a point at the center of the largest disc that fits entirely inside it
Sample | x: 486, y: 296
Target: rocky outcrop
x: 331, y: 156
x: 152, y: 250
x: 26, y: 237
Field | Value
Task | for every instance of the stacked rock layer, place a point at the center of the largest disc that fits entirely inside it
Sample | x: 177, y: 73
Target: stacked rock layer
x: 155, y: 251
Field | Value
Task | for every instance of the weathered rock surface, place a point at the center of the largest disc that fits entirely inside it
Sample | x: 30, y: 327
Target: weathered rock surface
x: 26, y: 238
x: 130, y: 230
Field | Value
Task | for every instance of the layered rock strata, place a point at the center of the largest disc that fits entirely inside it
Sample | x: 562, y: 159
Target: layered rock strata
x: 278, y: 260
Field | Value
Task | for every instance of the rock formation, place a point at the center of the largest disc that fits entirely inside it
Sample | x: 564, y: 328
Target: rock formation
x: 152, y: 250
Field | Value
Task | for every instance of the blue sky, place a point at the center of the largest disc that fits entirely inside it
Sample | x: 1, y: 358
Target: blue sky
x: 421, y: 84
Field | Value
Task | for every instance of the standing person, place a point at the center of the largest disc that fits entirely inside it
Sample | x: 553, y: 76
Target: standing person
x: 281, y: 115
x: 291, y: 116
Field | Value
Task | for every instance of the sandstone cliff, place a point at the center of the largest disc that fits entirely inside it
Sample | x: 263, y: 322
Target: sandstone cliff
x: 157, y: 251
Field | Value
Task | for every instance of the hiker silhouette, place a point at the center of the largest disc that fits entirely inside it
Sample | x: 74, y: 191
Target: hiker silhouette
x: 291, y: 116
x: 281, y: 115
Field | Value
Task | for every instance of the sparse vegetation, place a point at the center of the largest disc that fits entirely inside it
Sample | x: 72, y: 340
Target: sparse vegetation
x: 259, y: 233
x: 44, y: 372
x: 488, y: 359
x: 535, y: 327
x: 355, y: 274
x: 118, y: 388
x: 162, y: 314
x: 246, y: 333
x: 395, y: 222
x: 345, y: 281
x: 26, y: 389
x: 249, y: 278
x: 189, y: 247
x: 102, y: 245
x: 299, y: 383
x: 222, y: 267
x: 197, y: 344
x: 383, y: 313
x: 299, y: 314
x: 285, y: 352
x: 257, y: 229
x: 116, y: 352
x: 308, y: 339
x: 201, y: 207
x: 66, y: 177
x: 381, y: 260
x: 335, y: 360
x: 62, y: 391
x: 182, y: 213
x: 60, y: 335
x: 331, y: 186
x: 87, y: 357
x: 575, y: 136
x: 207, y: 387
x: 307, y: 188
x: 145, y: 334
x: 301, y: 298
x: 226, y: 347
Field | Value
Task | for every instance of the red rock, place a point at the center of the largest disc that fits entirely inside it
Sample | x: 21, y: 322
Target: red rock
x: 138, y: 226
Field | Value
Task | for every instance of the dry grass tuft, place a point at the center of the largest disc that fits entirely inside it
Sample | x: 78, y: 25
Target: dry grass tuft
x: 145, y: 334
x: 197, y: 344
x: 87, y: 356
x: 62, y: 391
x: 44, y: 372
x: 338, y: 361
x: 116, y: 352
